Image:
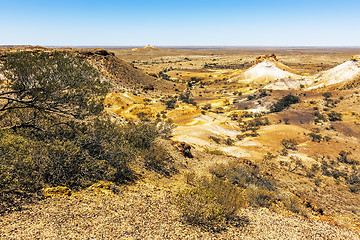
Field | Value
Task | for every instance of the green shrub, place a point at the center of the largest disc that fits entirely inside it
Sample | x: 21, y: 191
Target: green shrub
x: 77, y: 156
x: 284, y: 102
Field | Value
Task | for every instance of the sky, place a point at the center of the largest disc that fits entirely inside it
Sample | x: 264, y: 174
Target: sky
x: 180, y: 23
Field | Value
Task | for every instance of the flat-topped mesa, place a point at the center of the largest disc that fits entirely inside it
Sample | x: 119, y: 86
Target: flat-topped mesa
x: 355, y: 58
x: 268, y: 57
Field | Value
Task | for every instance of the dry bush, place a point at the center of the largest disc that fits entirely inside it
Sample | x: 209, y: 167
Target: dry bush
x: 259, y: 197
x: 158, y: 159
x: 295, y: 205
x: 289, y: 144
x: 212, y: 205
x: 260, y: 189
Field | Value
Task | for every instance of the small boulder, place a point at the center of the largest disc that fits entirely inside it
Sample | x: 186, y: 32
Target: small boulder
x: 57, y: 191
x: 184, y: 148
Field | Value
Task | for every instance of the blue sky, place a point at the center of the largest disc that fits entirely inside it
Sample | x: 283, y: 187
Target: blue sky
x: 180, y: 23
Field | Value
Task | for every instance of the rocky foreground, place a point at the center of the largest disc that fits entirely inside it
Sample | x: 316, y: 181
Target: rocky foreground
x: 143, y: 211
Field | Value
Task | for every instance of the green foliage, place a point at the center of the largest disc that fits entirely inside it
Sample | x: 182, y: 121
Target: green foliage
x: 211, y: 204
x: 41, y: 146
x: 43, y: 83
x: 77, y: 155
x: 284, y: 102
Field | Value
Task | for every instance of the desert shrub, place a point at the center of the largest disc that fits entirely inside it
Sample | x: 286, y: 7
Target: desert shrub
x: 319, y: 117
x: 294, y: 164
x: 353, y: 181
x: 268, y: 157
x: 313, y: 170
x: 219, y: 110
x: 211, y: 204
x: 186, y: 98
x: 215, y: 139
x: 334, y: 116
x: 295, y: 205
x: 170, y: 104
x: 77, y: 156
x: 289, y: 144
x: 284, y: 102
x: 254, y: 124
x: 141, y: 135
x: 327, y: 95
x: 242, y: 175
x: 157, y: 159
x: 315, y: 135
x: 344, y: 158
x: 284, y: 152
x: 229, y: 141
x: 240, y: 137
x: 259, y: 197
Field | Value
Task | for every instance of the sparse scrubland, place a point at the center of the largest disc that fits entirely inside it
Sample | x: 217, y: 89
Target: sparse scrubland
x: 198, y: 144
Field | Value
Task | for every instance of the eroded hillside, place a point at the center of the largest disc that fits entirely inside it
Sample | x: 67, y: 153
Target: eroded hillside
x: 277, y: 133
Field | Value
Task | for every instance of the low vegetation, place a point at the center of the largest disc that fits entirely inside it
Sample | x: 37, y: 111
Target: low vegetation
x: 212, y: 204
x: 53, y: 134
x: 284, y: 103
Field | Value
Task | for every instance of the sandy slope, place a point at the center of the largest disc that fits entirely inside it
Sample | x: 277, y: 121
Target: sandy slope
x: 268, y: 70
x: 348, y: 71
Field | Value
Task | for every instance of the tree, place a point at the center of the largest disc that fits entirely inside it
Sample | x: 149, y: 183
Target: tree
x: 39, y: 84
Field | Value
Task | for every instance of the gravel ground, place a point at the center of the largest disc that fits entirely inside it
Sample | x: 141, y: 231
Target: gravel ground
x: 145, y: 212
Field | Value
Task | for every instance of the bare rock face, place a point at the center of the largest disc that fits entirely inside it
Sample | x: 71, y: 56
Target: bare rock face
x: 269, y: 57
x: 355, y: 58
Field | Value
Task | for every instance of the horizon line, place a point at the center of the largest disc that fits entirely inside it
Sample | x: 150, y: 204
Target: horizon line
x: 177, y: 46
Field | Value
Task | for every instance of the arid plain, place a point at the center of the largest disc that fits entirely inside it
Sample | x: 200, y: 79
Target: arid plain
x: 280, y: 125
